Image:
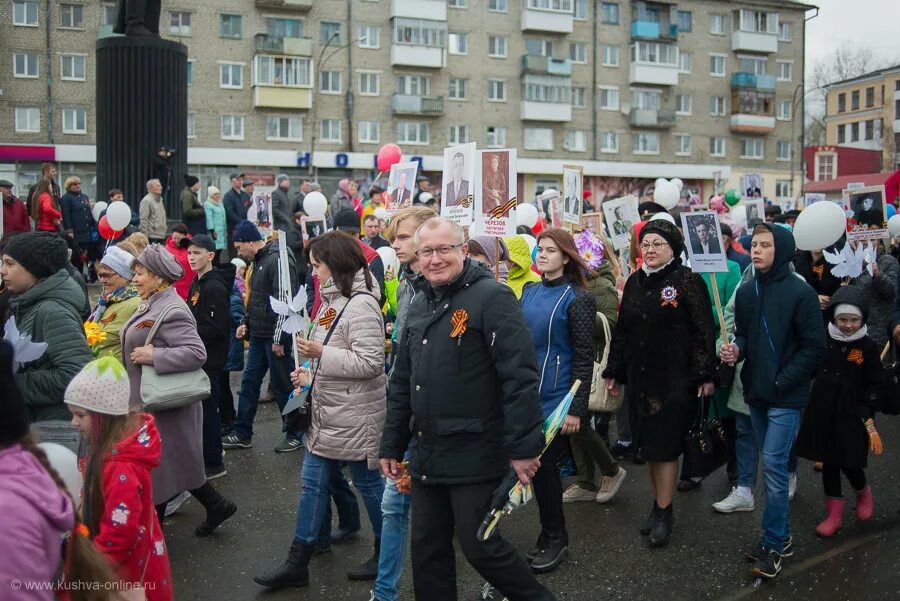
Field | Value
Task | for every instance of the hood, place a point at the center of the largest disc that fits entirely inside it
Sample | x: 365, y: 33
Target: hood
x: 59, y: 287
x: 368, y: 251
x: 519, y: 254
x: 143, y: 447
x: 223, y: 272
x: 329, y: 293
x: 23, y: 476
x: 605, y: 271
x: 848, y: 295
x: 175, y: 250
x: 472, y: 272
x: 784, y: 252
x: 269, y: 248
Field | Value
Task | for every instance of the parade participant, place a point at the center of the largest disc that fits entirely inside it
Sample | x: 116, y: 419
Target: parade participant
x: 662, y: 349
x: 838, y: 425
x: 118, y: 302
x: 346, y: 352
x: 281, y: 204
x: 422, y: 186
x: 45, y: 210
x: 372, y: 234
x: 153, y: 213
x: 122, y: 449
x: 731, y: 253
x: 880, y: 289
x: 216, y: 221
x: 376, y: 200
x: 236, y: 203
x: 48, y: 174
x: 811, y: 264
x: 343, y: 198
x: 77, y: 222
x: 177, y: 244
x: 520, y: 272
x: 176, y: 347
x: 464, y: 379
x: 484, y: 250
x: 192, y: 211
x: 46, y: 304
x: 295, y: 242
x: 780, y: 336
x: 15, y: 216
x: 235, y: 346
x: 116, y: 195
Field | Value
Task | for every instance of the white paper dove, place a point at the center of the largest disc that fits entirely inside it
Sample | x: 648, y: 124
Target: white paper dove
x: 24, y: 350
x: 295, y: 322
x: 847, y: 262
x: 870, y: 259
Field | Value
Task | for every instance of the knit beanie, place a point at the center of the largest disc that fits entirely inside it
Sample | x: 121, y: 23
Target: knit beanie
x: 667, y: 231
x: 119, y: 260
x: 212, y: 191
x: 41, y: 253
x: 246, y: 231
x: 13, y: 418
x: 102, y: 387
x: 851, y: 300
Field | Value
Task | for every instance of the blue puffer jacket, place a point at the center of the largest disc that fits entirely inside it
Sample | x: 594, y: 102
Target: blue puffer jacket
x: 236, y: 347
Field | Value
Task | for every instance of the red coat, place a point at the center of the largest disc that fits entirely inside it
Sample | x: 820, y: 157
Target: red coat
x: 129, y: 532
x: 183, y: 285
x: 15, y: 216
x: 49, y: 217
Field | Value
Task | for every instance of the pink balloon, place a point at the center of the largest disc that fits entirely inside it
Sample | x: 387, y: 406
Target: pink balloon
x: 388, y: 155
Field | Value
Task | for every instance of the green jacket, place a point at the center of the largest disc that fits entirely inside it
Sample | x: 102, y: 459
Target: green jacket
x: 520, y: 272
x: 727, y: 283
x: 50, y: 312
x: 603, y: 287
x: 114, y: 317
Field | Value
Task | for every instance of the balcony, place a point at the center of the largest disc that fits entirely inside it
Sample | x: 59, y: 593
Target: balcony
x: 546, y: 65
x: 428, y: 106
x: 281, y: 97
x: 546, y: 111
x: 753, y: 41
x: 271, y: 44
x: 410, y: 55
x: 752, y: 124
x: 552, y: 21
x: 652, y: 118
x: 658, y: 74
x: 298, y: 5
x: 649, y: 30
x: 743, y: 80
x: 432, y: 10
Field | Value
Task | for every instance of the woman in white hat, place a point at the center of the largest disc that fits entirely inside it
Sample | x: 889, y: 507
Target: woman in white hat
x: 216, y: 223
x: 118, y: 302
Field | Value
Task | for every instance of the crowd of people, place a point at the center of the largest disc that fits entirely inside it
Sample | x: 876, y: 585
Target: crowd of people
x: 424, y: 378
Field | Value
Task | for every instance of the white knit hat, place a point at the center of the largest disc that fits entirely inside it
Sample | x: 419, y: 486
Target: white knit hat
x: 212, y: 191
x: 102, y: 386
x: 848, y: 309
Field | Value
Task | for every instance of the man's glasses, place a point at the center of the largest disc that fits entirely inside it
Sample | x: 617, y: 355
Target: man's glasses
x: 427, y: 253
x: 655, y: 246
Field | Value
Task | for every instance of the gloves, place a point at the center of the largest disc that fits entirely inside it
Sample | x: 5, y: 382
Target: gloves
x: 875, y: 444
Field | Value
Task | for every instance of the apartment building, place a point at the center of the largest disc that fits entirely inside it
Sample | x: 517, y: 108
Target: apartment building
x: 864, y: 112
x: 704, y: 90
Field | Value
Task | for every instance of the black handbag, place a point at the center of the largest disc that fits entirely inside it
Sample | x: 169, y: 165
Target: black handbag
x: 706, y: 444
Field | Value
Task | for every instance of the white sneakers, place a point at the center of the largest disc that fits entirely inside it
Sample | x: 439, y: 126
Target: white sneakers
x: 792, y: 485
x: 734, y: 502
x: 609, y: 486
x: 575, y: 493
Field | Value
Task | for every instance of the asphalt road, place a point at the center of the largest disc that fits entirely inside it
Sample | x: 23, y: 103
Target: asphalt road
x: 608, y: 559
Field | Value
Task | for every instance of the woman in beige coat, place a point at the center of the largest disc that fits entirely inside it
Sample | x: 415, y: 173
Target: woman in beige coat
x: 348, y: 398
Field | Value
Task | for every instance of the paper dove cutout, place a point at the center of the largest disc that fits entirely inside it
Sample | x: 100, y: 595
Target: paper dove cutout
x: 295, y: 322
x: 870, y: 259
x: 24, y: 350
x: 847, y: 262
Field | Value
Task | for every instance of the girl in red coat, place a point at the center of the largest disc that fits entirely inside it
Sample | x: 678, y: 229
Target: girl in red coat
x: 122, y: 449
x: 45, y: 209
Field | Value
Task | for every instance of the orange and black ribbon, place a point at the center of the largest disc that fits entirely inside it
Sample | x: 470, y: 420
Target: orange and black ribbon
x: 465, y: 201
x: 499, y: 211
x: 458, y: 321
x: 855, y: 356
x: 327, y: 318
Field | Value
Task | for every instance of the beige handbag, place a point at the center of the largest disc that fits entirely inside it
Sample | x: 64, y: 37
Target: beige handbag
x: 601, y: 399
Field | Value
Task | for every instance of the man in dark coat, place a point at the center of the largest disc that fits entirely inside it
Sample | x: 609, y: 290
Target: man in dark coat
x: 780, y: 336
x: 193, y: 215
x: 48, y: 172
x: 281, y: 214
x: 236, y: 203
x: 466, y: 378
x: 15, y: 215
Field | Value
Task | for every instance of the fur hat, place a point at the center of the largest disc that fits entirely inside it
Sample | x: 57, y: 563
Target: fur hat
x: 102, y: 386
x: 667, y: 231
x: 41, y: 253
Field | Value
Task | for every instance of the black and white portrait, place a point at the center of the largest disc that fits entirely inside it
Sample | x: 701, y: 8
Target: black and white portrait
x: 866, y: 219
x: 573, y: 185
x: 704, y: 241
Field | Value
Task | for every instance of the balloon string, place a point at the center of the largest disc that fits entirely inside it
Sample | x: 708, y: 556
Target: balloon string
x: 377, y: 177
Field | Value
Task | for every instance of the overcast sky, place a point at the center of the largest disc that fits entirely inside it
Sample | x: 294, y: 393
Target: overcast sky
x: 872, y: 23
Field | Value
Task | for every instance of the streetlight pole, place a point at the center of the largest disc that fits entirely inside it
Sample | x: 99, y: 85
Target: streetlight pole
x: 794, y: 138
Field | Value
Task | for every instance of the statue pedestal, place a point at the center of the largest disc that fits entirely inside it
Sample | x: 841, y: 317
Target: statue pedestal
x: 141, y: 105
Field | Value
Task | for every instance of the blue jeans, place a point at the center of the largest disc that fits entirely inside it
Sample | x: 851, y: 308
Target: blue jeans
x: 775, y: 430
x: 347, y: 508
x: 315, y: 494
x: 745, y: 450
x: 259, y: 359
x: 394, y: 535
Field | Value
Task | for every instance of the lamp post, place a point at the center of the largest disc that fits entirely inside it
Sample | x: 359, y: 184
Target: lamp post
x: 794, y: 103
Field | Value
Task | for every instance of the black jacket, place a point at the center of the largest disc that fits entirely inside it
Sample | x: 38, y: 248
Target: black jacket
x: 295, y: 243
x: 236, y: 205
x: 469, y: 404
x: 77, y: 218
x: 282, y: 217
x: 264, y: 282
x: 209, y: 298
x: 816, y: 273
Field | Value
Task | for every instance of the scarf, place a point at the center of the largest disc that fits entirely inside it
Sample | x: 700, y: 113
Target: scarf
x: 116, y: 296
x: 835, y: 332
x: 651, y: 270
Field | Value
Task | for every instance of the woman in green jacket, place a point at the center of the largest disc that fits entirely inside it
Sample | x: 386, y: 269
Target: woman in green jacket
x: 118, y: 302
x: 216, y: 223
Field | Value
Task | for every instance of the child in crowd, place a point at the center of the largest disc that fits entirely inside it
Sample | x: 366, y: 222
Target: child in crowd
x: 122, y: 450
x: 838, y: 427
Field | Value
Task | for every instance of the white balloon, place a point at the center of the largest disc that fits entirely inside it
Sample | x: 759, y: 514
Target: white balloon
x: 819, y: 225
x: 549, y: 193
x: 380, y: 212
x: 663, y: 217
x: 531, y: 240
x: 315, y: 204
x: 659, y: 180
x: 666, y: 195
x: 65, y: 462
x: 678, y: 183
x: 526, y: 214
x: 894, y: 225
x: 739, y: 216
x: 97, y: 210
x: 389, y: 258
x: 118, y: 215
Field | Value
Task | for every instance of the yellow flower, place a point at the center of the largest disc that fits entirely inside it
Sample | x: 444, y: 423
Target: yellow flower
x: 93, y: 334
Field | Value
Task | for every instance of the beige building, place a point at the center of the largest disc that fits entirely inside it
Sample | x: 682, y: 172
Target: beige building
x: 704, y: 90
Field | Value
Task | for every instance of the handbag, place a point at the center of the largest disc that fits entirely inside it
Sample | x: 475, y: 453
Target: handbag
x: 706, y: 444
x: 162, y: 392
x: 601, y: 399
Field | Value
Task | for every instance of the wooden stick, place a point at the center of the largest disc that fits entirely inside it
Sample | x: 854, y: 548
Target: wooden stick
x: 610, y: 255
x: 887, y: 347
x: 723, y: 330
x: 377, y: 177
x: 497, y: 259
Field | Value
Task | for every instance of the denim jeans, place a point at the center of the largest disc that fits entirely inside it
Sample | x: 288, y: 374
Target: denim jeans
x: 394, y: 535
x: 347, y: 508
x: 775, y: 429
x: 259, y: 359
x: 212, y: 423
x: 746, y: 451
x: 315, y: 494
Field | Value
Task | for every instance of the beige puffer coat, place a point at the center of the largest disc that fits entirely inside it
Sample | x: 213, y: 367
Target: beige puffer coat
x: 349, y: 395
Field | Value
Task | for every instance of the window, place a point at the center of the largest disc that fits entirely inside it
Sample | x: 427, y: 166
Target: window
x: 646, y: 143
x: 28, y: 119
x: 72, y: 67
x: 369, y: 83
x: 870, y: 97
x: 824, y: 167
x: 581, y: 9
x: 419, y: 33
x: 854, y: 100
x: 685, y: 21
x: 841, y: 134
x: 717, y: 24
x: 285, y: 129
x: 330, y: 33
x: 231, y: 26
x: 369, y: 36
x: 783, y: 188
x: 190, y: 75
x: 192, y: 125
x: 109, y: 14
x: 496, y: 137
x: 717, y: 106
x: 496, y: 90
x: 413, y: 85
x: 716, y: 146
x: 683, y: 104
x: 646, y: 99
x: 231, y: 75
x: 784, y: 32
x: 578, y: 52
x: 870, y: 130
x: 576, y: 141
x: 685, y: 62
x: 785, y: 71
x: 842, y: 102
x: 330, y: 82
x: 283, y: 71
x: 457, y: 43
x: 499, y: 6
x: 71, y: 16
x: 179, y: 23
x: 609, y: 13
x: 73, y: 120
x: 459, y: 88
x: 758, y: 22
x: 456, y: 3
x: 654, y: 53
x: 578, y: 97
x: 717, y: 65
x: 284, y: 28
x: 783, y: 150
x: 609, y: 56
x: 538, y: 88
x: 854, y: 131
x: 539, y: 47
x: 369, y: 132
x: 538, y: 138
x: 752, y: 64
x: 330, y: 130
x: 25, y: 64
x: 784, y: 110
x: 412, y: 133
x: 683, y: 144
x: 609, y: 141
x: 232, y: 127
x: 458, y: 134
x: 564, y: 6
x: 608, y: 98
x: 25, y: 13
x: 497, y: 46
x: 752, y: 148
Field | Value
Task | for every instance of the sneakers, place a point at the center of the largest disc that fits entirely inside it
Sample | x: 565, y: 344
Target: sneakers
x: 758, y: 551
x: 235, y: 441
x: 288, y: 445
x: 609, y: 486
x: 173, y: 505
x: 215, y: 471
x: 734, y: 502
x: 767, y: 566
x: 488, y: 593
x: 792, y: 485
x: 575, y: 493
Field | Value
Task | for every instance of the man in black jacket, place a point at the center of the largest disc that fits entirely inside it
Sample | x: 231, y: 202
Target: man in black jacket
x: 48, y: 172
x: 466, y: 378
x: 209, y: 299
x: 236, y: 203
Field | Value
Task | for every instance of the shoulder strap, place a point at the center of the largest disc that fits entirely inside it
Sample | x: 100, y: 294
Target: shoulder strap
x: 162, y: 317
x: 606, y: 337
x: 328, y: 335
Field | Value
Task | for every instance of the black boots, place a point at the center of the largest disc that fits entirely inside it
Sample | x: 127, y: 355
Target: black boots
x: 293, y: 572
x: 367, y: 570
x: 218, y: 508
x: 551, y: 553
x: 661, y: 530
x: 651, y: 517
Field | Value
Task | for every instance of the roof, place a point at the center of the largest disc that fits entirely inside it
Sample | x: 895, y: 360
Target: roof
x: 840, y: 183
x: 877, y: 74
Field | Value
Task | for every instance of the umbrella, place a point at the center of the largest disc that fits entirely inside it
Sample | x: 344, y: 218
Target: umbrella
x: 512, y: 493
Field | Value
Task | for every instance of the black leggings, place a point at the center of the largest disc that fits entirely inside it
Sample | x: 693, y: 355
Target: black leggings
x: 831, y: 479
x: 206, y: 494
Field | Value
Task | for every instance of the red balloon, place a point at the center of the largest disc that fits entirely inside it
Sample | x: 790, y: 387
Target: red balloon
x: 105, y: 230
x: 388, y: 155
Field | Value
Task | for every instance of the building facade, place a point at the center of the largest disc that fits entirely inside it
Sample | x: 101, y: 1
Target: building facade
x: 704, y: 90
